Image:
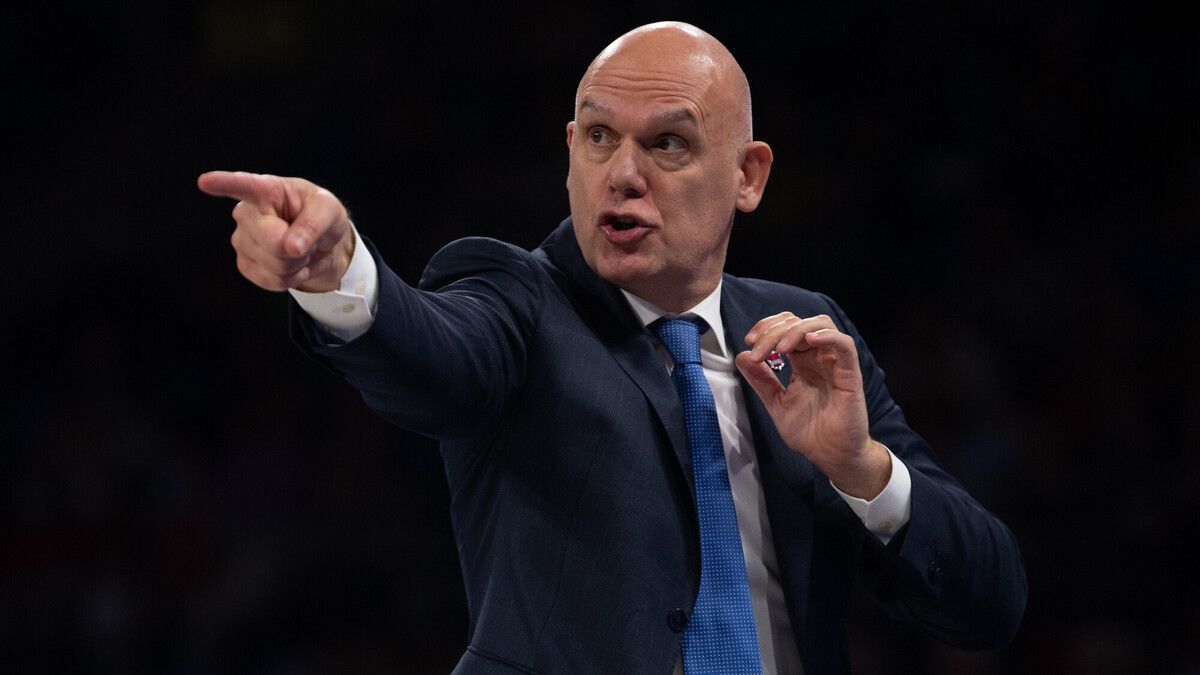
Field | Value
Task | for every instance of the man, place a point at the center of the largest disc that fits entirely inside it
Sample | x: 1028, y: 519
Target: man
x: 593, y: 531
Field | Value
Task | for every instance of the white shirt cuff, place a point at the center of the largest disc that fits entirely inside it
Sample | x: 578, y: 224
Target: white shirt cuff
x: 349, y: 311
x: 889, y: 510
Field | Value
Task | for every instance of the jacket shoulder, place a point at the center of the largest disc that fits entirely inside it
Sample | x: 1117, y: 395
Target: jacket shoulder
x: 473, y: 256
x: 773, y: 296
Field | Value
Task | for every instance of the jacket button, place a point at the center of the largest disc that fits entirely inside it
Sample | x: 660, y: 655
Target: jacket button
x: 677, y: 620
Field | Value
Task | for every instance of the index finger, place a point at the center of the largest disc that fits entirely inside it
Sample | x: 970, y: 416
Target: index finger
x: 258, y: 189
x: 765, y: 324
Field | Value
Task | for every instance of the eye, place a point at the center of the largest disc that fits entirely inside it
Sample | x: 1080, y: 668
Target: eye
x: 599, y: 135
x: 669, y: 143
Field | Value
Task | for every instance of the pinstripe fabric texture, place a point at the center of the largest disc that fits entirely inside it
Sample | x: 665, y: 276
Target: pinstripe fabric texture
x: 720, y: 635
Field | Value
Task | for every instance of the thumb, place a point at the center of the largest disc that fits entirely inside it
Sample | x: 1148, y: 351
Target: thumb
x: 319, y: 226
x: 760, y: 376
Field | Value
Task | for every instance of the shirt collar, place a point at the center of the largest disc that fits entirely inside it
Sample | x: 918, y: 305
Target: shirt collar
x: 708, y: 309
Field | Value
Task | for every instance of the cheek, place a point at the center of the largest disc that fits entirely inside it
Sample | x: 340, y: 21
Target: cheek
x: 712, y: 199
x: 702, y: 212
x: 696, y: 202
x: 577, y: 176
x: 580, y: 207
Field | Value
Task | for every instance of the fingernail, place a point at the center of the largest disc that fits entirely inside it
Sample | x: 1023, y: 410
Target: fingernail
x: 299, y: 243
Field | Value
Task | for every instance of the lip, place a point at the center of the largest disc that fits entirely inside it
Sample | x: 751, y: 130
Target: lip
x: 623, y: 238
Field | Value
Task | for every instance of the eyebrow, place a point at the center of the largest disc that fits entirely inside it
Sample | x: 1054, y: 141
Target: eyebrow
x: 680, y: 115
x: 666, y: 116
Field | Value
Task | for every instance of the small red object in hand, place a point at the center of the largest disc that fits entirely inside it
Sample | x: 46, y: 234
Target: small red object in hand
x: 775, y: 361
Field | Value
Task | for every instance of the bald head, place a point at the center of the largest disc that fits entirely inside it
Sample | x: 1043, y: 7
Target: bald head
x: 661, y: 156
x: 674, y: 50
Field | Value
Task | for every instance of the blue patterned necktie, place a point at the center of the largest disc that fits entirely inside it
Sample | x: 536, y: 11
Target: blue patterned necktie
x: 720, y: 635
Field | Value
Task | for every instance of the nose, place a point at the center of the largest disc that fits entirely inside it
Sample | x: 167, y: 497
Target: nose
x: 625, y: 174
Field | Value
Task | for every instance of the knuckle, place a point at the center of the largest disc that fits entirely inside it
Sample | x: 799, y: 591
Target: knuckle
x: 261, y: 222
x: 320, y: 200
x: 272, y: 282
x: 247, y: 269
x: 276, y: 189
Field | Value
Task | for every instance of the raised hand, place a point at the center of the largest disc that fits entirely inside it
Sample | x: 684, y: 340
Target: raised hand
x: 822, y: 413
x: 290, y: 233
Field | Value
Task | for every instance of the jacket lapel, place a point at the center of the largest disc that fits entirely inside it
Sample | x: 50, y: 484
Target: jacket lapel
x: 607, y: 313
x: 788, y: 479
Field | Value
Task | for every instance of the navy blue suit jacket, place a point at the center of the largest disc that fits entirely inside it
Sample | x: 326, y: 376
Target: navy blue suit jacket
x: 567, y: 460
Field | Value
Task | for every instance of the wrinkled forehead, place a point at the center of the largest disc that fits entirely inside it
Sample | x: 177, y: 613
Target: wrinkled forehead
x: 612, y: 91
x: 637, y: 72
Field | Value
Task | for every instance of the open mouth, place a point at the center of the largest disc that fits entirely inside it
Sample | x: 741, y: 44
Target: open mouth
x: 624, y: 230
x: 621, y: 224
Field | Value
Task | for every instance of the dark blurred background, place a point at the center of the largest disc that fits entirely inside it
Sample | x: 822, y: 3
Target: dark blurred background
x: 1004, y: 196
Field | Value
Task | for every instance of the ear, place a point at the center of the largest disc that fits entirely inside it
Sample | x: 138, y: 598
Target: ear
x: 570, y: 132
x: 755, y: 168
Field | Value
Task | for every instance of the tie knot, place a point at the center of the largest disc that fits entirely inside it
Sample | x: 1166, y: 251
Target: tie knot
x: 681, y: 337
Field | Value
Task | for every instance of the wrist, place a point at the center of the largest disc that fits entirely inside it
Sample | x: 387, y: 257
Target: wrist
x: 867, y: 478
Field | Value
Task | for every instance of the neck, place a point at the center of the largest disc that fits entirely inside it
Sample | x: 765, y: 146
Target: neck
x: 673, y: 299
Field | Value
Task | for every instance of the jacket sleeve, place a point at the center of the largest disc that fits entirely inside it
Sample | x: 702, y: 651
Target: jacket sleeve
x: 954, y: 569
x: 441, y: 359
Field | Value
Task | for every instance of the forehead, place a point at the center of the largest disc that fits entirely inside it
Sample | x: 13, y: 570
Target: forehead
x: 669, y: 91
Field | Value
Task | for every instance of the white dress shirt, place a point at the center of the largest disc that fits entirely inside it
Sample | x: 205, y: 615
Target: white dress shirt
x: 349, y: 312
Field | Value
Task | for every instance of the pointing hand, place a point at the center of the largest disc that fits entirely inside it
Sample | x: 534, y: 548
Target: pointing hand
x: 290, y: 233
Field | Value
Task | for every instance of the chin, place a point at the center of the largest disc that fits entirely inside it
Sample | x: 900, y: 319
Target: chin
x: 625, y: 273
